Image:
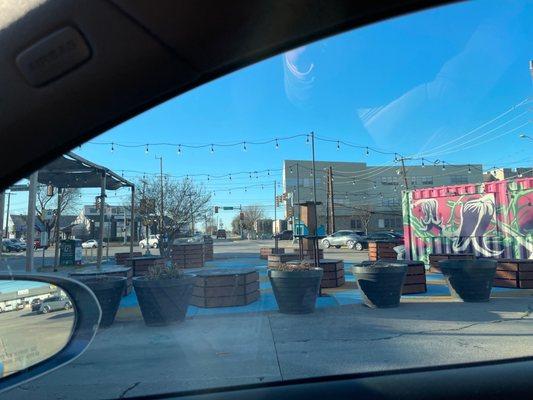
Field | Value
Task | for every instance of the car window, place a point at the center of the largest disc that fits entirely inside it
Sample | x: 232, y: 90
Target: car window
x: 420, y: 124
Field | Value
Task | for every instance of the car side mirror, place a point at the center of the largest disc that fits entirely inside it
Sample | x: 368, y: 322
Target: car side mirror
x: 45, y: 322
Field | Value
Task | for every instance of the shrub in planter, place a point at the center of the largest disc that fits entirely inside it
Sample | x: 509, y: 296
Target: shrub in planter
x: 469, y: 280
x: 108, y: 290
x: 381, y: 282
x: 163, y: 294
x: 295, y: 286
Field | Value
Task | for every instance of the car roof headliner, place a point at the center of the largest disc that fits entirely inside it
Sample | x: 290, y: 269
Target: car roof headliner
x: 142, y: 55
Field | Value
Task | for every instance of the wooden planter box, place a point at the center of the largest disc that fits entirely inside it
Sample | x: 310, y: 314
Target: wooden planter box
x: 187, y: 255
x: 275, y: 260
x: 514, y: 273
x: 378, y: 250
x: 208, y: 248
x: 120, y: 258
x: 415, y: 280
x: 333, y: 273
x: 264, y: 252
x: 225, y: 287
x: 140, y: 265
x: 435, y: 258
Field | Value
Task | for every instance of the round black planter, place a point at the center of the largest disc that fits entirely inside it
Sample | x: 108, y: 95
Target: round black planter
x: 469, y: 280
x: 108, y: 290
x: 163, y: 301
x: 381, y: 282
x: 296, y: 291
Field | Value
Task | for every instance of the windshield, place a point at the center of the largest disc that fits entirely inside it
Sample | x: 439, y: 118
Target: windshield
x: 361, y: 203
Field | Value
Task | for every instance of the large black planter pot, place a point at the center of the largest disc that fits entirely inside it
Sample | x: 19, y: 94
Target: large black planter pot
x: 380, y: 282
x: 163, y: 301
x: 296, y: 291
x: 108, y: 290
x: 469, y: 280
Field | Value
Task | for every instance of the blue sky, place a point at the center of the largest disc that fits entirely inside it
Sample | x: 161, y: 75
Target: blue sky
x: 420, y: 84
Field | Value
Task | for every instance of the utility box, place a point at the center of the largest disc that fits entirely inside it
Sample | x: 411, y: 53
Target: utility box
x: 491, y: 219
x: 70, y: 252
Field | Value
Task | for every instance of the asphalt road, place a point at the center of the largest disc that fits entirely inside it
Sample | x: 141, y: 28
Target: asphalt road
x: 27, y: 338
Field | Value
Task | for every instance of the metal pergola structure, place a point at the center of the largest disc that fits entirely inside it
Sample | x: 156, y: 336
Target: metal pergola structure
x: 73, y: 171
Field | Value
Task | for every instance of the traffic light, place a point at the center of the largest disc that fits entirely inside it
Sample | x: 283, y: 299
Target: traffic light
x: 241, y: 216
x: 216, y: 209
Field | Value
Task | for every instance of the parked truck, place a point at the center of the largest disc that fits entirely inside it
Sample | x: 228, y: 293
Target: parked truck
x: 491, y: 219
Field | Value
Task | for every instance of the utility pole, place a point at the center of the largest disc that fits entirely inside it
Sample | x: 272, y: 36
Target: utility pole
x: 30, y: 221
x: 404, y: 173
x: 147, y: 220
x: 7, y: 212
x: 161, y: 217
x: 57, y: 228
x: 315, y: 239
x: 275, y: 218
x: 331, y: 199
x: 2, y: 201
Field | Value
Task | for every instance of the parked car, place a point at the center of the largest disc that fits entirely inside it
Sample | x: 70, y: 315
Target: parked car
x: 350, y: 238
x: 36, y: 304
x: 385, y: 235
x: 8, y: 307
x: 55, y: 303
x: 10, y: 246
x: 91, y: 244
x: 284, y: 235
x: 20, y: 243
x: 37, y: 244
x: 221, y: 234
x: 153, y: 241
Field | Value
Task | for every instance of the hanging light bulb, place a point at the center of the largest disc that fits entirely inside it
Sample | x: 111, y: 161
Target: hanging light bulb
x: 374, y: 185
x: 112, y: 147
x: 338, y: 145
x: 244, y: 146
x: 469, y: 169
x: 179, y: 149
x: 230, y: 177
x: 208, y: 177
x: 395, y: 189
x: 250, y: 175
x: 144, y: 176
x: 214, y: 193
x: 245, y: 189
x: 229, y: 192
x: 268, y: 172
x: 146, y: 149
x: 353, y: 182
x: 423, y: 163
x: 307, y: 139
x: 212, y: 149
x: 262, y: 187
x: 290, y: 170
x: 367, y: 152
x: 277, y: 144
x: 381, y: 195
x: 443, y: 166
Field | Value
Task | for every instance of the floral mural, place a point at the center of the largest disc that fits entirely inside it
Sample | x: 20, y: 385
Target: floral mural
x: 494, y: 221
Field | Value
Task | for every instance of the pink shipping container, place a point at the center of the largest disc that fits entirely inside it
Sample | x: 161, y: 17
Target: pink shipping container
x: 492, y: 219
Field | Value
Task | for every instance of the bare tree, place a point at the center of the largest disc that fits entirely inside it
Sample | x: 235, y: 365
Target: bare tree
x: 365, y: 213
x: 252, y: 214
x: 70, y: 200
x: 184, y: 204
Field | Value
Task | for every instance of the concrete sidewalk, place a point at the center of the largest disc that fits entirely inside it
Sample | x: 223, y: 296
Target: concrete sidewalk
x: 221, y: 350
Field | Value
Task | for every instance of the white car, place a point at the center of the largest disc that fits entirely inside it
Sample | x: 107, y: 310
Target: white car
x: 153, y: 241
x: 91, y: 244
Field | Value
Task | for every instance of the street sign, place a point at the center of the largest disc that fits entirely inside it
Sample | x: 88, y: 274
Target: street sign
x: 227, y: 208
x: 19, y: 188
x: 48, y: 215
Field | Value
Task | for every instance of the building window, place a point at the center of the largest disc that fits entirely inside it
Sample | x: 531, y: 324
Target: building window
x: 356, y: 224
x: 390, y: 202
x: 389, y: 180
x: 458, y: 179
x: 421, y: 180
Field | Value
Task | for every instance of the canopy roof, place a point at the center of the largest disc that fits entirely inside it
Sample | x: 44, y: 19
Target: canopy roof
x: 73, y: 171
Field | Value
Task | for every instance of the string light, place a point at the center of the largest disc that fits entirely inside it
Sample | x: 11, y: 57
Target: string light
x: 112, y: 147
x: 230, y: 177
x: 244, y: 146
x: 443, y: 166
x: 338, y: 145
x: 212, y: 149
x: 374, y: 185
x: 268, y: 172
x: 179, y: 149
x: 146, y: 150
x: 250, y: 175
x: 423, y: 163
x: 290, y: 170
x: 469, y: 169
x: 208, y: 177
x: 307, y: 139
x: 367, y: 152
x: 353, y: 182
x: 245, y: 189
x: 277, y: 144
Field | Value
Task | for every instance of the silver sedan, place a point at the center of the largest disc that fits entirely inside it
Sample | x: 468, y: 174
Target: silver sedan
x: 349, y: 238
